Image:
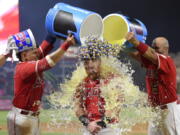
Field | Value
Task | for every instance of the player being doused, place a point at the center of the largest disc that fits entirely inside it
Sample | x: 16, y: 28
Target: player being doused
x: 90, y: 101
x: 102, y: 93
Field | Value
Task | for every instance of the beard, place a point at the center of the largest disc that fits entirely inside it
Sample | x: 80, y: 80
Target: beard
x: 94, y: 75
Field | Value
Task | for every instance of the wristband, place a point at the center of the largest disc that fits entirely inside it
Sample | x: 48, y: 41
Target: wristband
x: 50, y: 61
x: 142, y: 48
x: 65, y: 46
x: 101, y: 124
x: 84, y: 120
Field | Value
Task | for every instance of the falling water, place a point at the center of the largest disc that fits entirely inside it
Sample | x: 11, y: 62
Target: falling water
x: 124, y: 100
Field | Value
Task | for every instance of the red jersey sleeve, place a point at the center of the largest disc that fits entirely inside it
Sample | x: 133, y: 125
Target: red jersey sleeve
x: 145, y: 62
x: 164, y: 63
x: 33, y: 68
x: 46, y: 46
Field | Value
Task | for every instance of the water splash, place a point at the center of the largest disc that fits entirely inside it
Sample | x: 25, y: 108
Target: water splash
x: 124, y: 100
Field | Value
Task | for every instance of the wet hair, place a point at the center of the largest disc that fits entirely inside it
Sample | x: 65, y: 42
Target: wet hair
x: 95, y: 48
x: 89, y: 52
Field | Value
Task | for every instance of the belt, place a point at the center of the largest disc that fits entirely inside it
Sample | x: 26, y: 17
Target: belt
x: 163, y: 107
x: 26, y: 112
x: 101, y: 124
x: 35, y: 114
x: 166, y: 107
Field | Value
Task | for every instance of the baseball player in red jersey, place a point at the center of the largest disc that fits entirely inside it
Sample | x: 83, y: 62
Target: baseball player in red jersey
x: 28, y: 80
x: 89, y: 103
x: 160, y: 83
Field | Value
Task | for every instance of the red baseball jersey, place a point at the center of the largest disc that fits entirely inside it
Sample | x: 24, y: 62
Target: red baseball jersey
x: 161, y: 80
x: 28, y: 80
x: 92, y: 101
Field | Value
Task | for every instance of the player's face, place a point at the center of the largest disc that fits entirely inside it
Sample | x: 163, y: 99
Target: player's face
x: 31, y: 55
x: 158, y: 47
x: 92, y: 68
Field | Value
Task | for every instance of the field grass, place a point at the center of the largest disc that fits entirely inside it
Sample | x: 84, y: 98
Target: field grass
x: 3, y: 115
x: 5, y: 133
x: 44, y: 119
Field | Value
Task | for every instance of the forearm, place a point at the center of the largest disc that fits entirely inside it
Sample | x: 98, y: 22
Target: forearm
x: 146, y: 51
x: 143, y: 49
x: 58, y: 54
x: 80, y: 113
x: 151, y: 55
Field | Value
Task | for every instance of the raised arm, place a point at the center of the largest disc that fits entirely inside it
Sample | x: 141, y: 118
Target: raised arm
x: 55, y: 56
x: 46, y: 46
x: 142, y: 48
x: 34, y: 68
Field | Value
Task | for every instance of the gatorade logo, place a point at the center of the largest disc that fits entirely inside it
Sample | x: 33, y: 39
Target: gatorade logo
x: 63, y: 22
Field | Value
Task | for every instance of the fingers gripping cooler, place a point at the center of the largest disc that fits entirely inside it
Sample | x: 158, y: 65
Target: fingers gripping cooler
x: 64, y: 19
x: 116, y: 27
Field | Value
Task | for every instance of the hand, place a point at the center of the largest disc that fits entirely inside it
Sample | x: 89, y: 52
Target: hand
x: 70, y: 39
x: 8, y: 52
x: 93, y: 127
x: 130, y: 36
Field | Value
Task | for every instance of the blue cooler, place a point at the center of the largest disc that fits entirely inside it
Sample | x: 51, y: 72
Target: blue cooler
x: 63, y: 19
